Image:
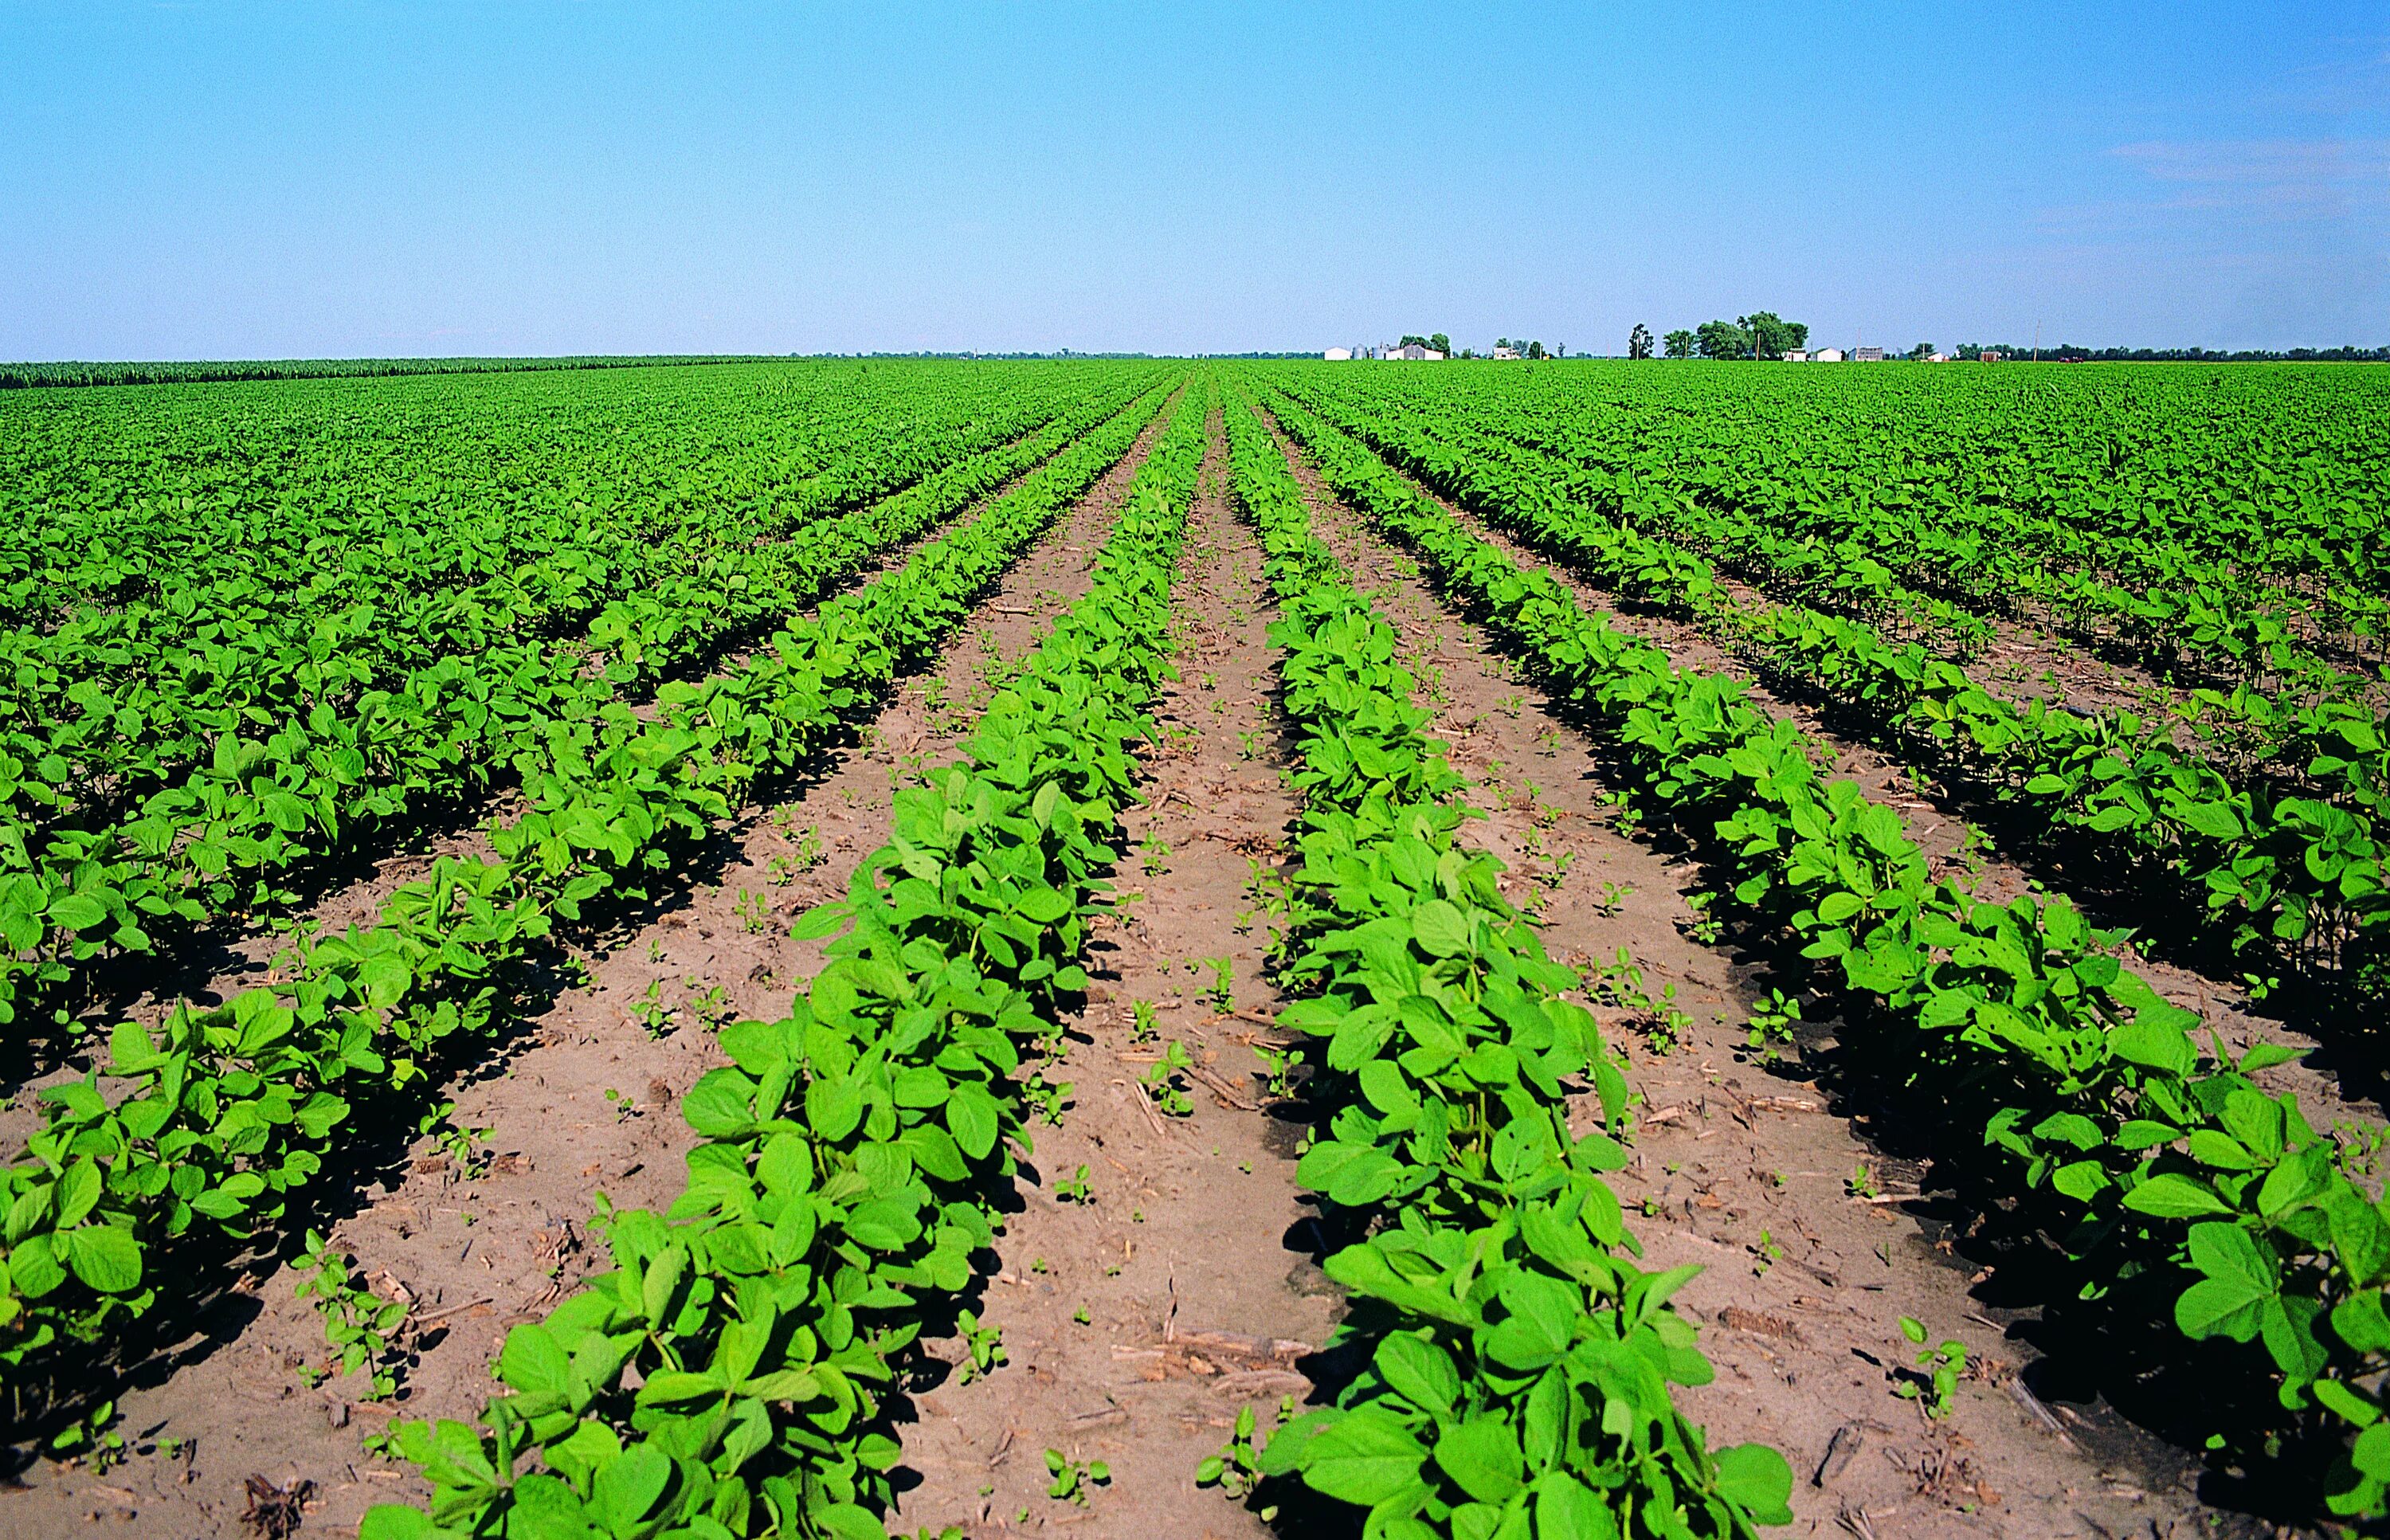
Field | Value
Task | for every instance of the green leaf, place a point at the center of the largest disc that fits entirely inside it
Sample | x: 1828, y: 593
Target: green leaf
x: 2171, y: 1196
x: 971, y: 1118
x: 1440, y: 928
x: 1364, y: 1457
x: 33, y: 1266
x: 77, y: 911
x: 1757, y: 1479
x: 2239, y: 1280
x: 105, y: 1257
x: 833, y: 1108
x: 1419, y: 1371
x: 721, y: 1105
x: 1483, y: 1457
x: 533, y: 1362
x: 823, y: 920
x: 397, y: 1522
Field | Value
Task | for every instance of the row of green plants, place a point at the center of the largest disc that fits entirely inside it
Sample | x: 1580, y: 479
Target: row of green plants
x: 2201, y: 609
x: 2139, y: 1150
x: 202, y: 1135
x: 253, y: 624
x: 321, y: 498
x: 733, y: 1374
x: 238, y: 830
x: 371, y: 561
x: 2285, y: 698
x: 2302, y: 872
x: 2236, y: 515
x: 1518, y: 1361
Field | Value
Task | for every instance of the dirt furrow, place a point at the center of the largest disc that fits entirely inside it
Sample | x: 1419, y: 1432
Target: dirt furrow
x: 1811, y: 1254
x: 491, y: 1231
x: 1138, y: 1311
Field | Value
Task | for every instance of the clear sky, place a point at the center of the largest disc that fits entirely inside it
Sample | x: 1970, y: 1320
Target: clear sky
x: 202, y: 179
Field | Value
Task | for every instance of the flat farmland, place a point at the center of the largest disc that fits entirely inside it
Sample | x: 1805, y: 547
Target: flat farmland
x: 834, y: 947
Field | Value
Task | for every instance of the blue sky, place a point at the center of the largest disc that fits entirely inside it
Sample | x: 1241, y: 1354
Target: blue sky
x: 218, y: 180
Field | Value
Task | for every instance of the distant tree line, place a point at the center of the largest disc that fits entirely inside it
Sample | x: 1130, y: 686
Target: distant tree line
x: 1761, y: 334
x: 2073, y: 353
x: 18, y: 377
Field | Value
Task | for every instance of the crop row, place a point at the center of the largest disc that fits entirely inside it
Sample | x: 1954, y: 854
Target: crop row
x: 2140, y: 494
x: 2204, y: 612
x: 2169, y: 1180
x: 267, y: 616
x: 229, y: 834
x: 731, y: 1377
x: 316, y: 496
x: 2282, y: 867
x: 243, y: 632
x: 2287, y: 697
x: 1519, y: 1361
x: 224, y: 1118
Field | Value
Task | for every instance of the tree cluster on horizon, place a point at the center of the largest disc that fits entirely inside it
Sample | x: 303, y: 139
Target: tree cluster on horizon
x: 1761, y: 334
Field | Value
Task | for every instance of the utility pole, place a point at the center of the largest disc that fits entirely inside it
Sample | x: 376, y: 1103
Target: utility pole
x: 2037, y: 341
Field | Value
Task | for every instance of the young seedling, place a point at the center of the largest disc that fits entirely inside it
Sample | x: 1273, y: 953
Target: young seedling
x: 1612, y: 897
x: 1163, y: 1084
x: 754, y: 911
x: 1771, y: 1020
x: 1279, y: 1064
x: 1073, y: 1479
x: 982, y: 1349
x: 1046, y: 1098
x: 1237, y: 1469
x: 1143, y: 1027
x: 359, y: 1324
x: 711, y: 1003
x: 1073, y: 1188
x: 92, y: 1440
x: 650, y: 1010
x: 1222, y: 991
x: 1945, y: 1364
x: 1156, y: 850
x: 457, y: 1142
x: 1704, y: 927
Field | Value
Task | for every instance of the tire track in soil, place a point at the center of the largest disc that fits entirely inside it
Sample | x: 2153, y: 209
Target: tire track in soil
x: 1730, y: 1156
x: 587, y: 1102
x: 1193, y: 1303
